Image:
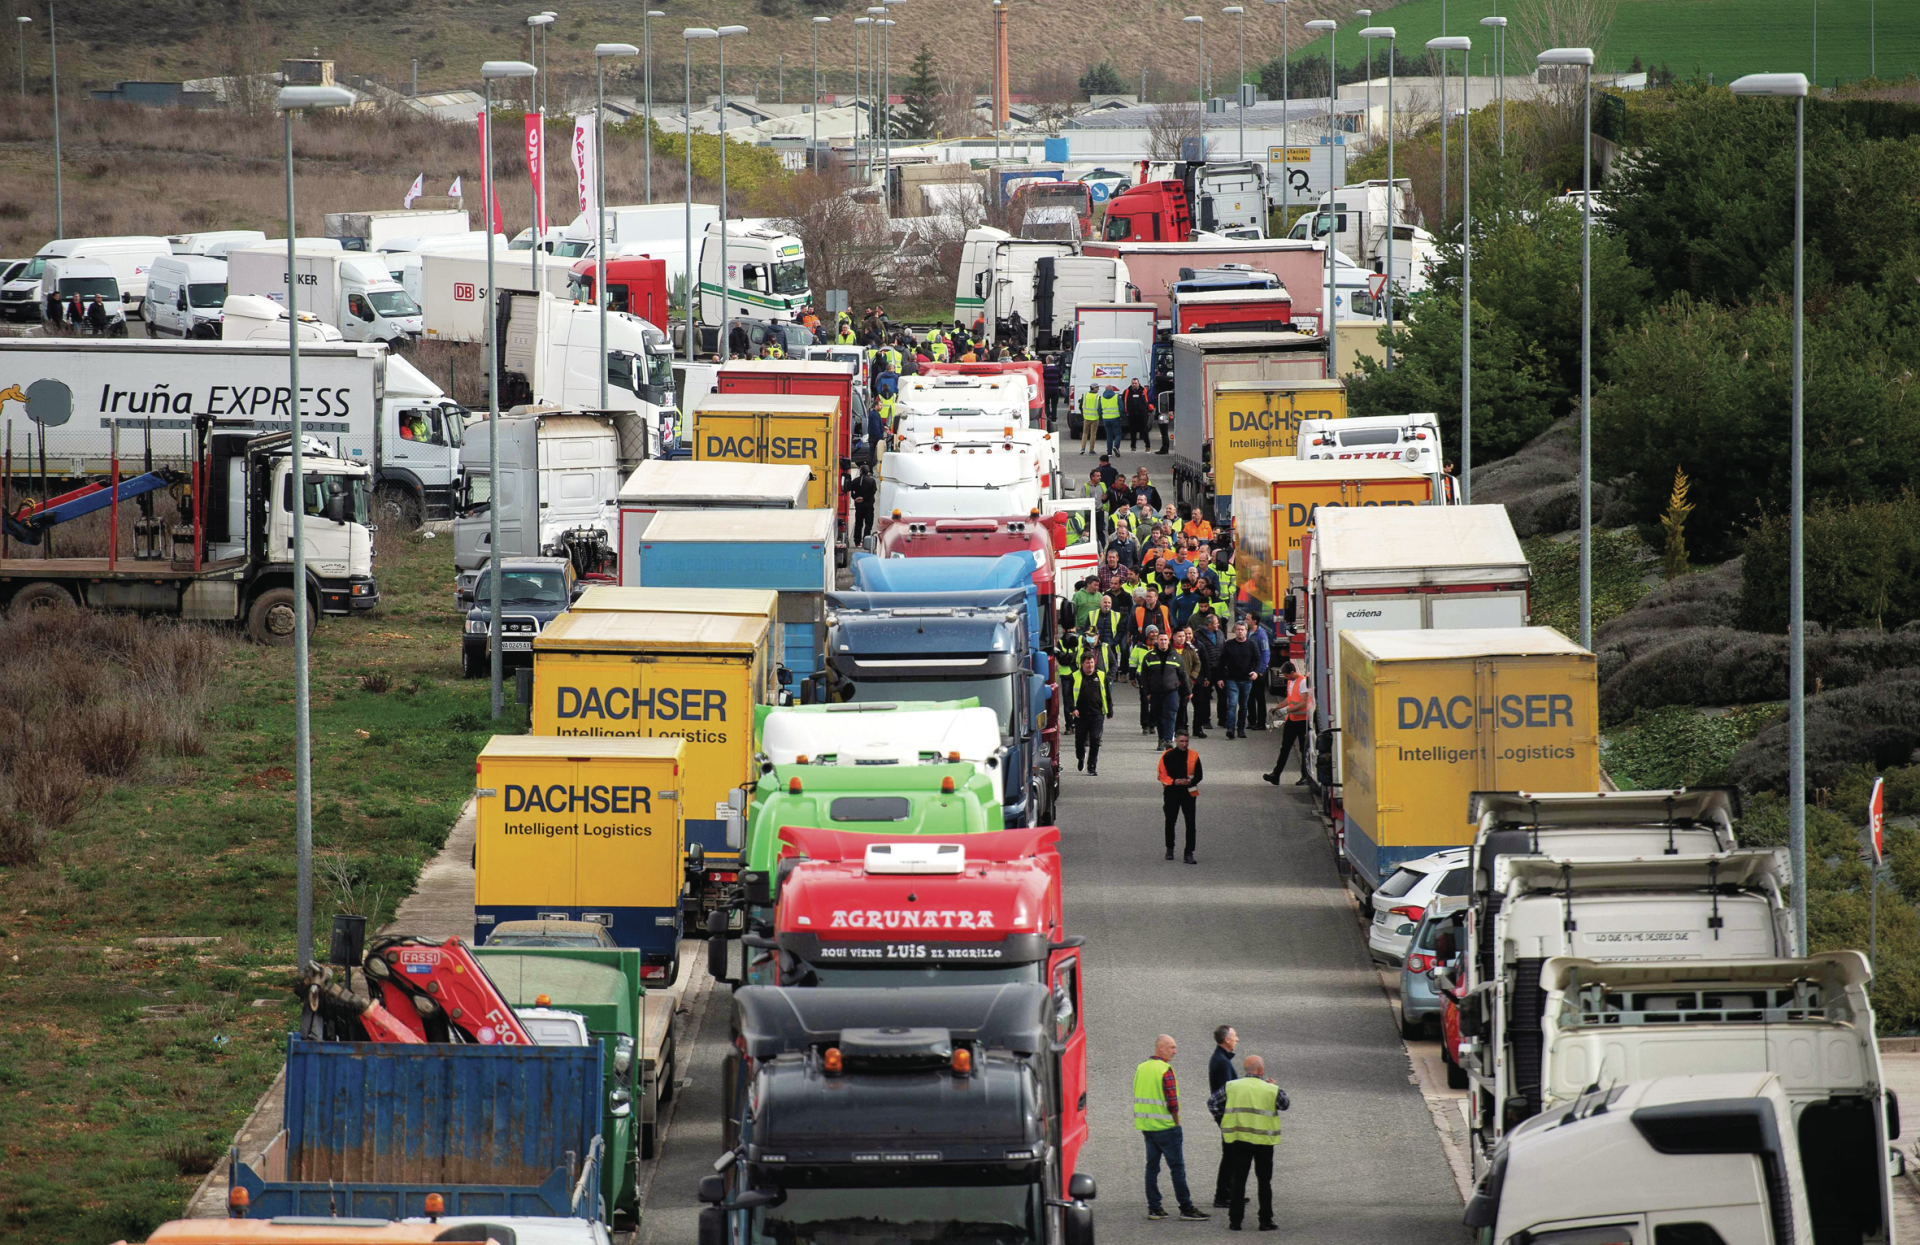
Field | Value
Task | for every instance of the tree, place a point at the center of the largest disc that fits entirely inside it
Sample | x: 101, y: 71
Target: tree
x: 920, y: 114
x: 1102, y: 79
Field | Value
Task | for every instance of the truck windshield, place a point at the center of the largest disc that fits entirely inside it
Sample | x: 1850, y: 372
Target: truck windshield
x: 571, y: 250
x: 660, y: 373
x: 393, y: 303
x: 1008, y: 1214
x: 790, y: 277
x: 929, y: 975
x: 995, y: 692
x: 207, y: 294
x: 87, y: 287
x: 355, y: 490
x: 32, y: 272
x: 455, y: 420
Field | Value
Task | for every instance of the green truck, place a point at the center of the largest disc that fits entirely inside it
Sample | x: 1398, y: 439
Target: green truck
x: 553, y: 990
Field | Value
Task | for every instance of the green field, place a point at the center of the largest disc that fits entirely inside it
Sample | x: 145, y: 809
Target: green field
x: 1724, y: 38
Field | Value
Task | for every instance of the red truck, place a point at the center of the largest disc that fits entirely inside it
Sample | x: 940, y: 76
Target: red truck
x: 878, y: 911
x: 1232, y: 311
x: 1150, y: 212
x: 635, y: 284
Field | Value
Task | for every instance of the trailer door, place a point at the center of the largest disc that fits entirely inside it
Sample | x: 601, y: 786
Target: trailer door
x: 1069, y: 1060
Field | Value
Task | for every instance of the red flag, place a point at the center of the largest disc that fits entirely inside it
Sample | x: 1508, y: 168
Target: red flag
x: 499, y: 222
x: 536, y: 169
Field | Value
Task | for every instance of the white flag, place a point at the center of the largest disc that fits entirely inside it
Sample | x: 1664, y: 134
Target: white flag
x: 586, y: 160
x: 419, y: 188
x: 454, y: 191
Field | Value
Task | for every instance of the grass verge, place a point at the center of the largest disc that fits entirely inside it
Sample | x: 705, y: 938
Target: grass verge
x: 125, y: 1069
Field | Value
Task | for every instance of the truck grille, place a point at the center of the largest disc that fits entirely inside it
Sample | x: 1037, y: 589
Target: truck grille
x: 1523, y: 1032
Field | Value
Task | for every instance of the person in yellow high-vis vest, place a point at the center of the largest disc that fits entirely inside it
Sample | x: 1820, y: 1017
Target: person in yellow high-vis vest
x: 1089, y: 418
x: 1156, y: 1113
x: 1112, y: 415
x: 1249, y: 1130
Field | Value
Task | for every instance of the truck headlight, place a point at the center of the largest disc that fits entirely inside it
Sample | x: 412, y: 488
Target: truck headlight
x: 477, y: 626
x: 623, y: 1054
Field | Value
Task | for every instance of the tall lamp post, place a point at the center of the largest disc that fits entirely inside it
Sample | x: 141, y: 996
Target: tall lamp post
x: 1199, y: 25
x: 294, y: 99
x: 720, y: 41
x: 20, y: 25
x: 860, y: 25
x: 539, y: 22
x: 646, y: 40
x: 1499, y: 26
x: 693, y: 262
x: 814, y: 162
x: 59, y: 188
x: 1583, y: 57
x: 1464, y: 46
x: 601, y: 51
x: 1794, y: 86
x: 490, y: 72
x: 546, y: 80
x: 1286, y: 107
x: 1329, y: 311
x: 534, y: 23
x: 1240, y: 84
x: 875, y: 15
x: 1363, y: 15
x: 1387, y: 33
x: 886, y: 104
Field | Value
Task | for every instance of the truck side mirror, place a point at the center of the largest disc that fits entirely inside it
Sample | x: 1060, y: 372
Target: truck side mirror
x: 696, y: 858
x: 1893, y: 1116
x: 782, y: 675
x: 717, y: 955
x: 713, y: 1190
x: 758, y: 887
x: 336, y: 509
x: 1081, y: 1187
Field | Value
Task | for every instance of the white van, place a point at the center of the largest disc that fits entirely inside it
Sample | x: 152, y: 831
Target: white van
x: 128, y: 257
x: 184, y: 296
x: 1103, y: 361
x: 85, y: 278
x: 215, y: 243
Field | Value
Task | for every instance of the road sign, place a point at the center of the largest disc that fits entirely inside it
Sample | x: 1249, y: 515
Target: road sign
x: 1098, y: 190
x: 1877, y: 818
x: 1377, y: 285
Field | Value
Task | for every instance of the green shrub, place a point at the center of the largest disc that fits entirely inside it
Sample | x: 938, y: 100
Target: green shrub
x: 1722, y: 666
x: 1679, y: 747
x: 1875, y: 724
x: 1862, y: 567
x: 1619, y: 563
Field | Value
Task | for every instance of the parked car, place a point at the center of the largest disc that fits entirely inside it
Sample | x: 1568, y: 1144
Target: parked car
x: 1420, y: 1004
x: 576, y: 934
x: 1402, y: 900
x: 533, y: 592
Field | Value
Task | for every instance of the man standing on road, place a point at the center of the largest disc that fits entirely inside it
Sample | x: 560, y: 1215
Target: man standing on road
x: 1220, y: 1070
x: 1112, y: 414
x: 1249, y: 1130
x: 1207, y: 642
x: 1091, y: 704
x: 1257, y: 689
x: 1139, y: 411
x: 1299, y: 707
x: 1156, y: 1113
x: 1180, y: 772
x: 1238, y: 657
x: 1163, y: 678
x: 864, y: 489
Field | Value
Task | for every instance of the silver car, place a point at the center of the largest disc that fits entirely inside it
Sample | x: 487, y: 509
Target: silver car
x: 1420, y: 1004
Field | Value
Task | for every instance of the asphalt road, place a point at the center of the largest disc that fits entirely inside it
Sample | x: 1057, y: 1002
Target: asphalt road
x: 1259, y: 934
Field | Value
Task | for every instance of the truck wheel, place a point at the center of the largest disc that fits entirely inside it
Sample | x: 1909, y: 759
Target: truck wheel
x: 270, y: 620
x: 397, y: 507
x: 469, y: 668
x: 41, y: 596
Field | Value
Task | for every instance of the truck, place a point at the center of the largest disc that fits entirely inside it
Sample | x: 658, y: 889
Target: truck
x: 354, y: 293
x: 654, y: 230
x: 947, y: 646
x: 636, y: 284
x: 1400, y: 568
x: 789, y: 551
x: 993, y: 483
x: 1155, y: 267
x: 584, y: 829
x: 1029, y: 290
x: 1097, y: 321
x: 1033, y: 370
x: 1413, y: 439
x: 559, y: 475
x: 1173, y: 200
x: 390, y: 230
x: 24, y: 296
x: 1277, y: 500
x: 621, y: 673
x: 766, y: 275
x: 1267, y: 310
x: 1426, y: 717
x: 1061, y: 210
x: 80, y: 281
x: 1256, y: 419
x: 814, y: 378
x: 960, y: 431
x: 925, y: 1113
x: 887, y: 733
x: 1050, y: 539
x: 184, y: 296
x: 225, y: 556
x: 988, y: 255
x: 366, y: 403
x: 681, y: 484
x: 249, y: 318
x: 550, y: 352
x: 778, y: 428
x: 454, y: 296
x: 1202, y: 362
x: 1363, y: 215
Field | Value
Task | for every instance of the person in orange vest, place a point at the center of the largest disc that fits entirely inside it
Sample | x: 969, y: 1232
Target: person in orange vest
x: 1299, y: 708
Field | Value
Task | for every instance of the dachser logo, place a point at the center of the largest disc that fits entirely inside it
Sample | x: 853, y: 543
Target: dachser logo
x: 1458, y: 713
x: 560, y: 798
x: 662, y: 704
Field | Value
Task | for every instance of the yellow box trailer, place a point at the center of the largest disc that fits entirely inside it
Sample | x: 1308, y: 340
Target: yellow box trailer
x: 743, y: 602
x: 1261, y: 419
x: 1275, y: 499
x: 1428, y: 717
x: 583, y: 830
x: 777, y: 428
x: 695, y: 677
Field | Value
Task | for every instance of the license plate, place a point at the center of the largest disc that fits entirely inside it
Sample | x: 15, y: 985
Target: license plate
x: 516, y: 646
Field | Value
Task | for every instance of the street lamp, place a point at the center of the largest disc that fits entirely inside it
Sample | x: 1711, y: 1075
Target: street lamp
x: 546, y: 80
x: 601, y: 51
x: 886, y: 103
x: 814, y: 161
x: 1793, y: 86
x: 294, y: 99
x: 646, y: 39
x: 1286, y: 107
x: 1364, y: 14
x: 696, y: 263
x: 1330, y: 312
x: 875, y: 15
x: 1464, y: 46
x: 489, y: 73
x: 860, y: 30
x: 22, y: 24
x: 1499, y: 25
x: 1583, y: 57
x: 1240, y: 85
x: 1199, y: 25
x: 59, y: 190
x: 720, y: 41
x: 1387, y: 33
x: 534, y: 25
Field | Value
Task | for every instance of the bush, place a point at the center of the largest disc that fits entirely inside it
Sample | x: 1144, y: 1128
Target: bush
x: 1619, y: 564
x: 1875, y: 724
x: 1705, y: 598
x: 1677, y: 746
x: 1722, y: 666
x: 1862, y: 566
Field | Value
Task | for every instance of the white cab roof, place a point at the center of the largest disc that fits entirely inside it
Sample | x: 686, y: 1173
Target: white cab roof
x: 1355, y: 538
x: 876, y: 736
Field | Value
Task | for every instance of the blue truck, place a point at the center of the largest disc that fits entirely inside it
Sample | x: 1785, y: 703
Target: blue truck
x: 897, y: 646
x: 371, y: 1129
x: 790, y: 551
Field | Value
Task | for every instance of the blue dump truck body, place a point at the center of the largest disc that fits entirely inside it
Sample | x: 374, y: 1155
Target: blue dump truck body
x: 372, y: 1128
x: 898, y: 646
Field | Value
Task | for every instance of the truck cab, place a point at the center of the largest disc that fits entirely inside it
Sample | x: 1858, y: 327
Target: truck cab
x: 636, y: 285
x: 957, y: 486
x: 766, y: 273
x: 1412, y: 439
x: 887, y: 733
x: 550, y: 356
x: 558, y: 492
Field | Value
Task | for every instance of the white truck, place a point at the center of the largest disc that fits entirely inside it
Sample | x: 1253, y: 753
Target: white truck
x: 453, y: 293
x: 251, y: 318
x: 1094, y: 321
x: 550, y: 356
x: 86, y: 280
x: 368, y: 405
x: 1028, y: 290
x: 559, y: 483
x: 766, y: 274
x: 214, y: 243
x: 184, y: 296
x: 380, y: 231
x: 1361, y: 215
x: 880, y: 733
x: 354, y: 293
x: 706, y: 484
x: 989, y: 484
x: 1412, y: 439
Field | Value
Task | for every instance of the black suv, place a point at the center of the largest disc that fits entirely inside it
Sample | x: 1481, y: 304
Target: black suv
x: 533, y: 592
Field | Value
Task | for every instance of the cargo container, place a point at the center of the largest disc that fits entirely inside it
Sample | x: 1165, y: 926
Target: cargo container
x: 1202, y: 362
x: 679, y: 484
x: 807, y: 377
x: 790, y: 551
x: 1428, y: 717
x: 1401, y: 568
x: 1261, y: 419
x: 802, y: 429
x: 696, y: 677
x: 732, y: 602
x: 371, y: 1130
x: 584, y: 829
x: 1277, y: 499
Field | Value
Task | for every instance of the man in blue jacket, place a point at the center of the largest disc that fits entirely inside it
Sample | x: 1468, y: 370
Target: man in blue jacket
x: 1220, y: 1070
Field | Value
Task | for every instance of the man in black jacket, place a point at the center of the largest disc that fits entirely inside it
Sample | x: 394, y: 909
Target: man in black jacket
x: 1220, y: 1070
x: 1139, y: 408
x: 1180, y: 774
x: 1206, y: 642
x: 1238, y: 657
x: 1163, y: 677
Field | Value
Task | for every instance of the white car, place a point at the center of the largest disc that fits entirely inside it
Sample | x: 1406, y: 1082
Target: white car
x: 1402, y: 900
